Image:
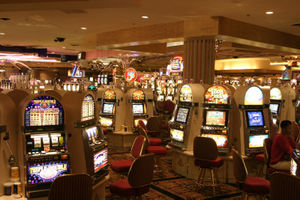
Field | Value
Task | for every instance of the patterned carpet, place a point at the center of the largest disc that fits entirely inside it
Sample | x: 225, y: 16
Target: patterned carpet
x: 169, y: 185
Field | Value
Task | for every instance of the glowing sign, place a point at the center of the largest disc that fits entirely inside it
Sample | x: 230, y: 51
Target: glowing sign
x: 185, y: 94
x: 275, y: 94
x: 176, y: 64
x: 76, y: 72
x: 88, y: 108
x: 130, y: 75
x: 138, y: 95
x: 109, y: 94
x: 216, y: 95
x: 221, y: 140
x: 254, y: 96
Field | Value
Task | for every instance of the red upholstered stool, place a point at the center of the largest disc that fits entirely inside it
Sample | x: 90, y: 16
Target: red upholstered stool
x: 256, y: 185
x: 154, y: 141
x: 139, y: 178
x: 206, y: 157
x: 158, y: 151
x: 122, y: 166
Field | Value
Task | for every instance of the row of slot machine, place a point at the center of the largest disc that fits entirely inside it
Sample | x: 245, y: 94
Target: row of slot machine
x: 52, y: 133
x: 238, y: 117
x: 120, y: 108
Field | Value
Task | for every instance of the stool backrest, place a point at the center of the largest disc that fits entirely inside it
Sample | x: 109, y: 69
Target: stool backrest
x: 239, y: 167
x: 284, y: 186
x: 141, y: 171
x: 71, y: 187
x: 137, y: 147
x: 142, y: 125
x: 154, y: 123
x: 205, y: 148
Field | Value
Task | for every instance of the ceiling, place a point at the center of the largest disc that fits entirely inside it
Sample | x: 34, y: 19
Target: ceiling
x: 36, y: 23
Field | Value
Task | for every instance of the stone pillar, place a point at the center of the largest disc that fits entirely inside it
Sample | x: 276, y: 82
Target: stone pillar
x: 199, y: 60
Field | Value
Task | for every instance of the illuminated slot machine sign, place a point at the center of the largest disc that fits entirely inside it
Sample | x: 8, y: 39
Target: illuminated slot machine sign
x: 43, y: 113
x: 216, y: 100
x: 138, y: 105
x: 275, y: 101
x: 254, y: 96
x: 88, y: 108
x: 100, y: 160
x: 46, y: 172
x: 185, y: 94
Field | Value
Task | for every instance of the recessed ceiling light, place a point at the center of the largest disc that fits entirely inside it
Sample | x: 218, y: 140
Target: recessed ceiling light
x: 63, y: 47
x: 145, y: 17
x: 83, y: 28
x: 2, y: 33
x: 270, y: 12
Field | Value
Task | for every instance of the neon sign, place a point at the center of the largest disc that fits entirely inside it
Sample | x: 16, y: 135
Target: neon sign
x: 130, y: 75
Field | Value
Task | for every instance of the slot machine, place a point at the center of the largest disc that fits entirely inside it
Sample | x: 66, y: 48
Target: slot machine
x: 217, y: 116
x: 46, y: 150
x: 251, y: 125
x: 187, y: 116
x: 111, y: 113
x: 141, y: 106
x: 88, y: 150
x: 282, y: 97
x: 9, y: 146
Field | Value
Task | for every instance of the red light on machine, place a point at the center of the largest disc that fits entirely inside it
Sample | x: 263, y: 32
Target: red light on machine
x: 130, y: 75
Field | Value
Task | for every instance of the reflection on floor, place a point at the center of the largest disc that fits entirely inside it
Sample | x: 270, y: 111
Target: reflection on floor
x: 169, y: 185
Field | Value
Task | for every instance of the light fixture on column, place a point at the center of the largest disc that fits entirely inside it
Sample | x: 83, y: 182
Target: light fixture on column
x: 218, y: 44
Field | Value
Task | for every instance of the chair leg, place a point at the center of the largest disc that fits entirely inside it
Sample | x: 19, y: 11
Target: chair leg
x: 212, y: 177
x: 217, y: 175
x: 203, y: 176
x: 199, y: 178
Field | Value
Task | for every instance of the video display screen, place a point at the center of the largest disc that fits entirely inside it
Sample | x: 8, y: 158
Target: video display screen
x: 182, y: 114
x: 215, y: 118
x: 100, y: 160
x: 294, y: 166
x: 257, y: 141
x: 92, y: 134
x: 221, y: 140
x: 108, y: 108
x: 274, y: 108
x: 46, y: 172
x: 138, y: 108
x: 177, y: 135
x: 255, y: 118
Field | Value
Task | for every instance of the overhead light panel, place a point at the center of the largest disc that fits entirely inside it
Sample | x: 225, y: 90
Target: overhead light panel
x: 83, y: 28
x: 2, y: 33
x: 174, y: 44
x: 145, y: 17
x: 269, y: 12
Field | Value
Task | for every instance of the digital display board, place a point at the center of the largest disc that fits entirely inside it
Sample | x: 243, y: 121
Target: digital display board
x: 138, y: 108
x: 215, y: 118
x: 46, y: 171
x: 100, y: 160
x: 177, y: 135
x: 108, y: 108
x: 182, y: 114
x: 255, y: 118
x: 88, y: 108
x: 257, y: 141
x: 43, y: 111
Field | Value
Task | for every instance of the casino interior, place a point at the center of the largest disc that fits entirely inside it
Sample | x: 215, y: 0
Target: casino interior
x: 127, y: 99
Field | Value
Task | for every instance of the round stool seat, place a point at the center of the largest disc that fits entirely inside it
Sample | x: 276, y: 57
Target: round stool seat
x: 260, y: 157
x: 256, y: 185
x: 157, y: 150
x: 121, y: 165
x: 209, y: 163
x: 154, y: 141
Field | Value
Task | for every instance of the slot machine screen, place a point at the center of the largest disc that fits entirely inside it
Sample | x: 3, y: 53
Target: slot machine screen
x: 100, y: 160
x: 255, y: 118
x: 274, y: 107
x: 46, y: 172
x: 182, y: 114
x: 177, y: 135
x: 294, y: 164
x: 257, y: 141
x: 221, y: 140
x: 138, y: 108
x: 108, y: 108
x: 215, y: 118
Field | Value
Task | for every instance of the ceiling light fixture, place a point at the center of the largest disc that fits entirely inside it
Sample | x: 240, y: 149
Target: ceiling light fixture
x: 270, y: 12
x: 2, y: 33
x: 83, y: 28
x: 145, y: 17
x: 63, y: 47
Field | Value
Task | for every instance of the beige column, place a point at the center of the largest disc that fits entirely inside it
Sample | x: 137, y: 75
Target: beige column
x: 199, y: 60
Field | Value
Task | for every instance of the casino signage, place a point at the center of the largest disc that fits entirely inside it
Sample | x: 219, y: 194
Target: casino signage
x: 130, y: 75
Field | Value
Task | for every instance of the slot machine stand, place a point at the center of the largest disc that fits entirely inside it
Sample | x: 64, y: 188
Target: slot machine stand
x: 121, y: 138
x: 183, y: 164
